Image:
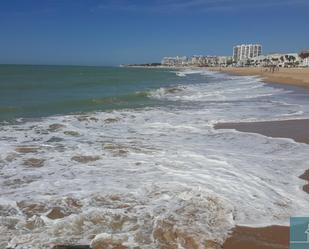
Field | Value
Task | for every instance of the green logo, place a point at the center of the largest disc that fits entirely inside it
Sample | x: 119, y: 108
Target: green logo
x: 299, y: 233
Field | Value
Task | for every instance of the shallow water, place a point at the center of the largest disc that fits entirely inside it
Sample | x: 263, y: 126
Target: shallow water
x: 155, y: 176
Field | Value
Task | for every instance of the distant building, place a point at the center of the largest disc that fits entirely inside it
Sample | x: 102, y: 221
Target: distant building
x: 210, y: 60
x: 305, y: 62
x: 203, y: 61
x: 280, y: 60
x: 175, y: 61
x: 198, y: 60
x: 224, y: 61
x: 246, y: 51
x: 305, y: 58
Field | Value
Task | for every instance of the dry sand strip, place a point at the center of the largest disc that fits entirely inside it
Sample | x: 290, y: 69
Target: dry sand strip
x: 290, y: 76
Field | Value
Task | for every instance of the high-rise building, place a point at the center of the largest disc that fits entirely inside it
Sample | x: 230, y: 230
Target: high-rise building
x: 246, y: 51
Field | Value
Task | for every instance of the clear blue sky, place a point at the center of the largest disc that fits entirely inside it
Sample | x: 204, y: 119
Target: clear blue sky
x: 110, y: 32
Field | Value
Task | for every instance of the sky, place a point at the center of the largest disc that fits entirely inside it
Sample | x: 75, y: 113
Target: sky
x: 112, y: 32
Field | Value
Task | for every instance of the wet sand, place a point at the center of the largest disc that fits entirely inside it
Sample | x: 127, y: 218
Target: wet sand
x: 291, y: 76
x: 273, y: 237
x: 294, y: 129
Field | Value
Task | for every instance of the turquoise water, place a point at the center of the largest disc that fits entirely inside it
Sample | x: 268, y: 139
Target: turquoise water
x: 36, y: 91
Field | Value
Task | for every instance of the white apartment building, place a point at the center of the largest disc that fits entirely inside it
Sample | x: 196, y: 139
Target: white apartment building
x: 175, y: 61
x: 246, y: 51
x: 210, y: 60
x: 200, y: 60
x: 280, y: 60
x: 305, y: 62
x: 224, y: 60
x: 197, y: 60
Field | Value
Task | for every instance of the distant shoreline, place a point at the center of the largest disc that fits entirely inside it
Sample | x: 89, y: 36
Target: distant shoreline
x: 290, y: 76
x: 155, y: 67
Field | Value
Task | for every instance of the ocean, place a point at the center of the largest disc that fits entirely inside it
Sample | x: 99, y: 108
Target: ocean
x: 131, y: 156
x: 39, y: 91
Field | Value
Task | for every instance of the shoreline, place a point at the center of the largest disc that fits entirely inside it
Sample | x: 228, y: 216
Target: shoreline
x: 296, y: 129
x: 290, y: 76
x: 272, y: 237
x: 242, y: 237
x: 268, y: 237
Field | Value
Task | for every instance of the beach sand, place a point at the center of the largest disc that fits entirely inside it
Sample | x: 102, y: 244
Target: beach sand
x: 273, y: 237
x: 295, y: 129
x: 291, y: 76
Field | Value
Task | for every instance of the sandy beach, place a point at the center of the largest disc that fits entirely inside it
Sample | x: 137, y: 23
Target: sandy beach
x: 275, y: 237
x: 291, y: 76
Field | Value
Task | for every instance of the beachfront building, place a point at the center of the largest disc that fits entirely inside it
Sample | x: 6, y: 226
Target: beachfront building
x: 305, y: 62
x: 289, y: 60
x: 266, y: 60
x: 241, y: 53
x: 210, y: 61
x: 197, y: 61
x: 224, y: 61
x: 279, y: 60
x: 305, y: 58
x: 175, y: 61
x: 258, y: 61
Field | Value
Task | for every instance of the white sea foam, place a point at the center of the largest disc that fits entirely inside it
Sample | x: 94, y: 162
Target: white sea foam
x: 128, y: 176
x: 181, y: 74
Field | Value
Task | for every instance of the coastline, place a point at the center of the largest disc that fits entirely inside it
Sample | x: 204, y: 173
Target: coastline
x: 272, y: 237
x: 290, y: 76
x: 162, y: 67
x: 295, y: 129
x: 241, y: 237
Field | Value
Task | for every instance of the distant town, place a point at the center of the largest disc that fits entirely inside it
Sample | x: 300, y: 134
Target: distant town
x: 245, y: 55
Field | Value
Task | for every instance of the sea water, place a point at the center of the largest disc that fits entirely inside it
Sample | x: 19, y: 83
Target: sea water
x: 131, y: 156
